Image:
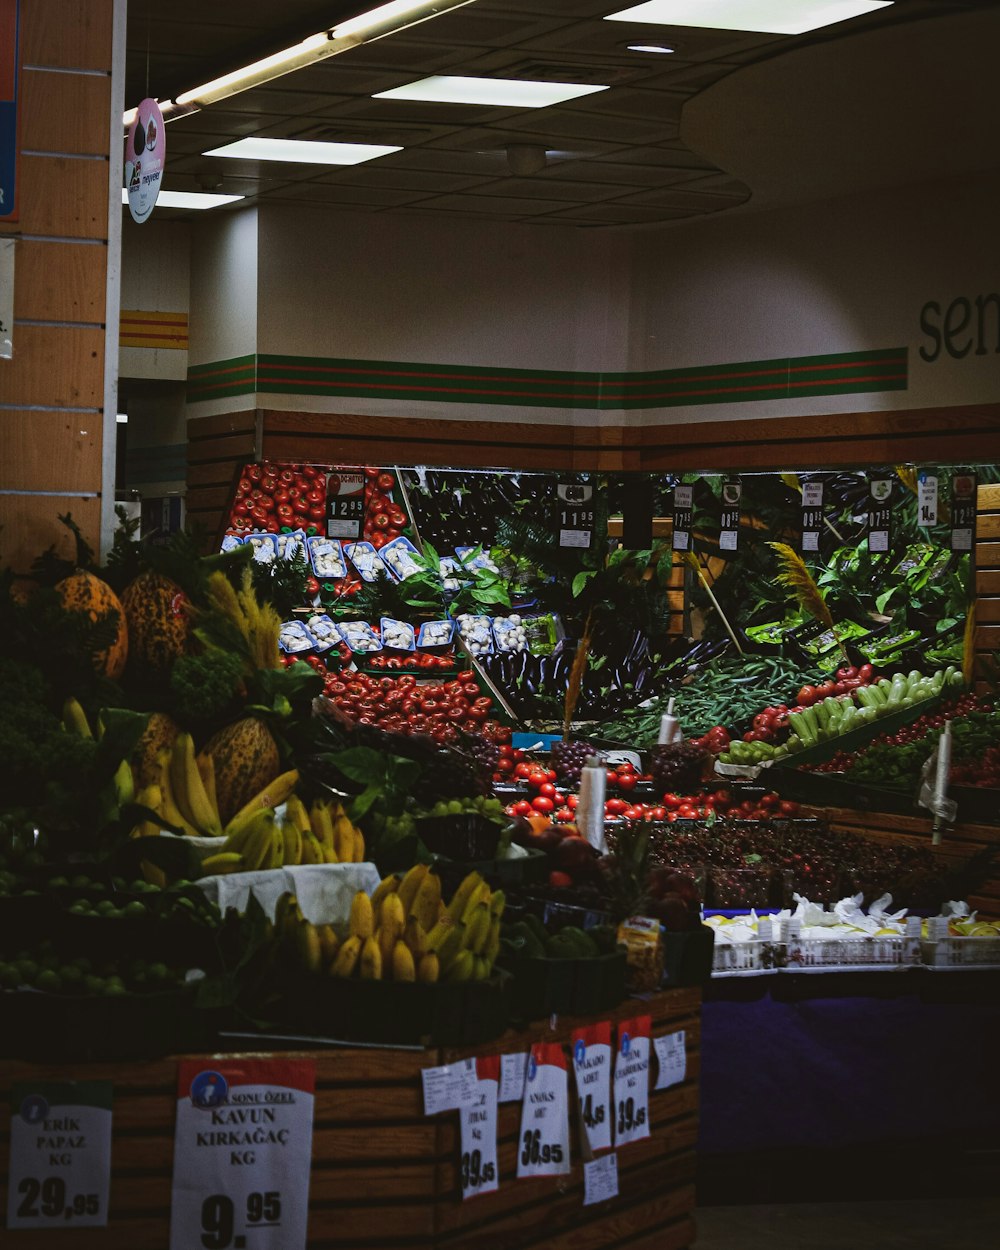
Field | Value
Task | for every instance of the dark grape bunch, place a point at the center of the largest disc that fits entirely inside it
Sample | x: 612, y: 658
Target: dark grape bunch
x: 678, y: 766
x: 484, y: 751
x: 568, y: 759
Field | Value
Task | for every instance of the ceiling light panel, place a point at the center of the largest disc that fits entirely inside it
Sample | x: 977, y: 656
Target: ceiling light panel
x: 777, y: 17
x: 188, y: 199
x: 302, y: 152
x: 494, y: 92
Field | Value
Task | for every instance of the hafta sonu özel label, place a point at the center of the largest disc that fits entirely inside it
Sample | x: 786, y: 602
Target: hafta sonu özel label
x: 543, y: 1147
x: 242, y: 1153
x: 591, y: 1048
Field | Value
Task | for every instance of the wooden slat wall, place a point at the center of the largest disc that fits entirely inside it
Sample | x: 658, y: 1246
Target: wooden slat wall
x: 385, y: 1177
x: 987, y: 563
x: 217, y: 449
x: 52, y: 391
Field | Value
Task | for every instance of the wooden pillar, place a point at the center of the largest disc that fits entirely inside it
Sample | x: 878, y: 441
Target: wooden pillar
x: 57, y: 392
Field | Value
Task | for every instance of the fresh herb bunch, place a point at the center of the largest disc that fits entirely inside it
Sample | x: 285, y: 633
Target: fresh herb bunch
x: 206, y: 686
x: 282, y: 583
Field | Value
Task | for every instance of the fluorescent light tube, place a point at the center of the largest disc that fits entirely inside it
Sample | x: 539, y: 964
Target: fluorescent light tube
x: 776, y: 17
x: 498, y: 92
x: 302, y: 151
x: 396, y: 15
x: 189, y: 199
x: 312, y: 49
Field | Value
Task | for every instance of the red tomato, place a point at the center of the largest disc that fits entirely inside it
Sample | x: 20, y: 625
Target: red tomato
x: 627, y: 781
x: 385, y: 481
x: 672, y: 801
x: 547, y: 789
x: 615, y: 807
x: 542, y: 804
x: 633, y: 813
x: 523, y: 769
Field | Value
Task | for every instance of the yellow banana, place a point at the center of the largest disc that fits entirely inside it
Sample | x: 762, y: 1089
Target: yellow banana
x: 322, y: 825
x: 328, y: 941
x: 492, y: 947
x: 410, y: 884
x: 462, y: 968
x: 403, y: 967
x: 390, y: 912
x: 449, y: 949
x: 310, y: 949
x: 74, y: 719
x: 151, y: 797
x: 480, y: 895
x: 347, y: 958
x: 153, y: 874
x: 388, y: 885
x: 362, y: 922
x: 189, y: 790
x: 170, y: 812
x: 460, y: 899
x: 498, y: 901
x: 371, y: 960
x: 206, y: 771
x: 429, y: 968
x: 329, y: 855
x: 224, y: 862
x: 343, y: 839
x: 390, y: 926
x: 414, y: 937
x: 124, y: 783
x: 277, y: 851
x: 480, y: 968
x: 477, y: 929
x: 438, y: 934
x: 295, y: 810
x: 292, y: 840
x: 273, y: 795
x: 312, y: 852
x: 359, y: 846
x: 427, y: 901
x: 257, y: 847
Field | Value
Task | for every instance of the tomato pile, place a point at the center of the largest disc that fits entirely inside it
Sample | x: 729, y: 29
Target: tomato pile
x: 384, y: 519
x: 984, y: 773
x: 418, y: 660
x: 399, y: 705
x: 271, y: 499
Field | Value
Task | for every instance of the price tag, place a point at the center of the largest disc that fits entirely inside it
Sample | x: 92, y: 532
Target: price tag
x: 632, y: 1080
x: 729, y: 519
x: 812, y: 515
x: 592, y: 1069
x: 345, y: 504
x: 600, y: 1179
x: 543, y: 1149
x: 480, y: 1167
x: 927, y: 500
x: 671, y: 1059
x: 879, y: 513
x: 450, y: 1086
x: 513, y: 1069
x: 242, y: 1153
x: 60, y: 1154
x: 576, y: 514
x: 683, y: 503
x: 963, y: 511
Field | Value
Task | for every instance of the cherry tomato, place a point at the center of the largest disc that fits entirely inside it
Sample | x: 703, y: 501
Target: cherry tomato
x: 385, y: 481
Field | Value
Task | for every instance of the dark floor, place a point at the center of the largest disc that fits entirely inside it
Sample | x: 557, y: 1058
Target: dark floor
x: 916, y: 1224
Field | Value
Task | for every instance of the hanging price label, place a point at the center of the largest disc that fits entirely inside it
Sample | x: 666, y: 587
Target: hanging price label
x: 812, y: 515
x: 927, y: 500
x: 683, y: 503
x: 242, y: 1153
x: 729, y: 518
x: 576, y: 514
x: 963, y: 511
x: 600, y: 1179
x: 345, y: 504
x: 449, y: 1086
x: 513, y: 1069
x: 631, y: 1088
x: 544, y: 1143
x: 60, y: 1154
x: 671, y: 1059
x: 592, y: 1069
x: 480, y: 1168
x: 879, y: 513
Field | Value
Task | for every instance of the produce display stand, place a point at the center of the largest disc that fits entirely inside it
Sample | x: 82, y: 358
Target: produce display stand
x: 385, y: 1177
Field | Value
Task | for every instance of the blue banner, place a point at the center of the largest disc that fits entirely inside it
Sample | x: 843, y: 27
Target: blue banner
x: 9, y: 31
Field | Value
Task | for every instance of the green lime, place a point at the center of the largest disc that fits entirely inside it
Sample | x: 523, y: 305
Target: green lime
x: 58, y: 883
x: 72, y: 976
x: 455, y: 807
x: 80, y: 908
x: 135, y: 908
x: 185, y: 902
x: 10, y: 978
x: 105, y: 906
x: 49, y: 980
x: 158, y: 972
x: 93, y: 985
x: 119, y: 883
x: 81, y: 883
x: 28, y: 969
x: 114, y: 986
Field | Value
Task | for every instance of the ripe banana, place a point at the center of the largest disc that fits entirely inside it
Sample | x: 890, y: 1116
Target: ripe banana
x: 492, y: 946
x: 359, y: 846
x: 124, y: 783
x: 150, y: 797
x: 403, y: 967
x: 292, y: 842
x: 460, y: 899
x: 223, y: 862
x: 388, y: 885
x: 343, y: 839
x: 362, y: 922
x: 429, y: 968
x: 480, y: 968
x: 273, y: 795
x: 390, y: 912
x: 296, y: 812
x: 310, y: 949
x: 427, y: 901
x: 322, y: 826
x: 328, y: 941
x: 74, y: 719
x: 480, y: 895
x: 438, y: 934
x: 312, y: 852
x: 414, y: 937
x: 498, y: 901
x: 477, y: 929
x: 330, y: 855
x: 170, y: 812
x: 371, y: 960
x: 390, y: 926
x: 410, y: 884
x: 256, y: 847
x: 206, y: 771
x: 347, y: 958
x: 277, y: 851
x: 189, y: 790
x: 462, y: 968
x: 452, y: 945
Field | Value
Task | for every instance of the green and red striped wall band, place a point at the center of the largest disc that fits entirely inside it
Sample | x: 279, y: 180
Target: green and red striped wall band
x: 845, y: 373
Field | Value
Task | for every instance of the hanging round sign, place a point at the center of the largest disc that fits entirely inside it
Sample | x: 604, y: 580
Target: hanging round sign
x: 144, y: 158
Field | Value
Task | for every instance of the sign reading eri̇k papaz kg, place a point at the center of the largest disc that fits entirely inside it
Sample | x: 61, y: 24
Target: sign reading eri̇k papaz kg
x: 9, y: 33
x: 242, y: 1152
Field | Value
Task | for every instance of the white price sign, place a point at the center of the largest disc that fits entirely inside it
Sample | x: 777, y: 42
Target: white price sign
x: 600, y: 1179
x: 242, y: 1153
x: 671, y: 1058
x: 450, y: 1086
x: 60, y: 1154
x: 592, y: 1068
x: 544, y: 1143
x: 480, y: 1170
x: 631, y: 1084
x: 927, y: 499
x: 512, y: 1073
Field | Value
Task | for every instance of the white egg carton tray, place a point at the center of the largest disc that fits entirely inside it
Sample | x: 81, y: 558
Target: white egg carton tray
x: 961, y: 952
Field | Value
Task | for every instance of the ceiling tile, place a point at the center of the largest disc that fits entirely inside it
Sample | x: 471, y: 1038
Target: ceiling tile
x: 495, y: 206
x: 570, y: 124
x: 544, y: 187
x: 618, y: 172
x: 385, y: 176
x: 327, y: 193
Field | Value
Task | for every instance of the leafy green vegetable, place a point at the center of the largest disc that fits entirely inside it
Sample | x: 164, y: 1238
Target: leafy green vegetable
x: 205, y: 686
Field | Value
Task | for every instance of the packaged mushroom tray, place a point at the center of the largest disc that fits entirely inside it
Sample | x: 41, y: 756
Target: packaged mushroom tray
x: 359, y: 636
x: 397, y: 635
x: 294, y: 638
x: 476, y: 633
x: 510, y: 633
x: 290, y: 545
x: 327, y: 558
x: 401, y: 558
x: 325, y: 631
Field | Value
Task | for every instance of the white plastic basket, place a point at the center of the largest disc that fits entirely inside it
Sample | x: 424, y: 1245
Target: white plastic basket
x: 738, y: 958
x: 961, y: 952
x: 848, y: 953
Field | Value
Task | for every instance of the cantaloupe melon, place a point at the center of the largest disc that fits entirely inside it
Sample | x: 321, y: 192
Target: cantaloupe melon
x: 158, y: 622
x: 83, y: 592
x: 245, y: 757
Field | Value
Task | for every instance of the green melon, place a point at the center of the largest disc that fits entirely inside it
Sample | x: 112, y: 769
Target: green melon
x: 245, y: 757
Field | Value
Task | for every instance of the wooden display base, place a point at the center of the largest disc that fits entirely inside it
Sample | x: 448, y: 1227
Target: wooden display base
x: 385, y: 1177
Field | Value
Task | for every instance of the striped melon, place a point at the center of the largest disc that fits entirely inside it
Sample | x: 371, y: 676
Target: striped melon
x: 158, y: 622
x: 246, y: 759
x: 160, y: 732
x: 83, y: 592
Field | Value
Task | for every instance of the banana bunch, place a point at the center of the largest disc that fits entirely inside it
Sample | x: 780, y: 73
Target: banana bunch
x: 182, y: 793
x: 313, y: 946
x: 257, y: 838
x: 74, y: 721
x: 405, y: 931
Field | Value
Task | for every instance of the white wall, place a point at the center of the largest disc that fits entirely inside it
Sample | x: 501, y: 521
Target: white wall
x: 224, y: 313
x: 156, y: 277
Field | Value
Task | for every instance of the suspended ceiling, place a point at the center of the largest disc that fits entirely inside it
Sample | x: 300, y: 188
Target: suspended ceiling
x: 729, y: 122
